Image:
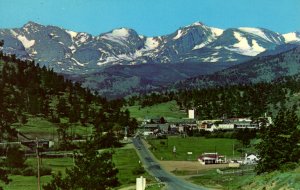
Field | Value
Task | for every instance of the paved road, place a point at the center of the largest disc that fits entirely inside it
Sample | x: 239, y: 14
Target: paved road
x: 173, y: 183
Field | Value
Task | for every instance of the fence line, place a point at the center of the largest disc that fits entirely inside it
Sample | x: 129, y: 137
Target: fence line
x: 234, y: 171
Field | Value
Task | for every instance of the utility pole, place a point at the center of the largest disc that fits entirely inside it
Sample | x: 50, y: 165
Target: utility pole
x: 233, y: 149
x: 38, y: 164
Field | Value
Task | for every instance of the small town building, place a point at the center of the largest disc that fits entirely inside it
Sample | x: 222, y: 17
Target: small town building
x: 211, y: 158
x: 226, y: 126
x: 250, y: 159
x: 191, y: 114
x: 238, y: 119
x: 244, y: 125
x: 207, y: 127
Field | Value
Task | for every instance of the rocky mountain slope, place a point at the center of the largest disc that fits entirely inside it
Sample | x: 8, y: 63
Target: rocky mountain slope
x: 105, y: 61
x: 261, y: 69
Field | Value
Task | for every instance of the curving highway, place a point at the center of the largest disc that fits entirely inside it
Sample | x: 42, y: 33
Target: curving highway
x: 153, y: 167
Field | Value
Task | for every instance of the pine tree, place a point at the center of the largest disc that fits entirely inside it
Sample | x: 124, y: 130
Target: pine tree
x: 279, y: 143
x: 92, y: 171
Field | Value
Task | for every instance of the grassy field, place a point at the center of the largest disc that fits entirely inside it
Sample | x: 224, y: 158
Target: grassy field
x: 125, y: 160
x: 163, y: 149
x: 212, y: 179
x: 274, y: 180
x: 169, y: 110
x: 43, y: 129
x: 30, y: 182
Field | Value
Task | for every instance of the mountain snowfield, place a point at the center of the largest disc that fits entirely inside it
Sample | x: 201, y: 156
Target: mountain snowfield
x: 292, y: 37
x: 69, y: 51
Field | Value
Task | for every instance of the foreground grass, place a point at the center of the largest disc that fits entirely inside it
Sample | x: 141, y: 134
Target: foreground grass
x: 125, y: 160
x: 25, y: 182
x: 212, y: 179
x: 169, y: 110
x: 163, y: 149
x: 275, y: 180
x: 30, y: 182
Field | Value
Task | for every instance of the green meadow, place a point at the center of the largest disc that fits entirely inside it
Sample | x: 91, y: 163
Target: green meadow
x: 42, y: 128
x: 30, y: 182
x: 169, y: 110
x: 273, y: 180
x: 163, y: 148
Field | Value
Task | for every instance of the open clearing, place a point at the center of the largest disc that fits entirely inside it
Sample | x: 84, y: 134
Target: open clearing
x: 193, y: 166
x: 163, y: 148
x: 169, y: 110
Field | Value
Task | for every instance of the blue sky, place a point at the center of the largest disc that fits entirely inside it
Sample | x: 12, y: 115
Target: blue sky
x: 151, y: 17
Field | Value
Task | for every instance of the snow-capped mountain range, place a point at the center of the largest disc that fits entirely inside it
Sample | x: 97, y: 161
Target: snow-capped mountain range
x: 122, y: 62
x: 78, y: 52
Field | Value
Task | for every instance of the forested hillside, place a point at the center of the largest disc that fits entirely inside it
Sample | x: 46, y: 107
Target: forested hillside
x: 27, y: 90
x: 29, y: 93
x: 251, y: 100
x: 260, y: 69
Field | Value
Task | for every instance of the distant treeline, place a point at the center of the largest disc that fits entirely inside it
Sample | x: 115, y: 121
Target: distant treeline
x: 251, y: 100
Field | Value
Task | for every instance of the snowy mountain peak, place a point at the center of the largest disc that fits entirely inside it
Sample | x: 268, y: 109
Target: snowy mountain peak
x: 178, y: 35
x: 197, y: 24
x: 72, y: 33
x: 119, y: 35
x: 255, y: 31
x: 69, y: 50
x: 151, y: 43
x: 217, y: 31
x: 31, y: 24
x: 121, y: 32
x: 267, y: 35
x: 32, y: 27
x: 291, y: 37
x: 243, y: 46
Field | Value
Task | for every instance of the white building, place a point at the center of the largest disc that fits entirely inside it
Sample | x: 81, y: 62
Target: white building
x: 250, y: 159
x: 229, y: 126
x: 191, y: 114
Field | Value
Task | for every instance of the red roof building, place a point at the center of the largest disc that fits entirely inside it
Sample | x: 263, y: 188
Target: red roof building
x: 211, y: 158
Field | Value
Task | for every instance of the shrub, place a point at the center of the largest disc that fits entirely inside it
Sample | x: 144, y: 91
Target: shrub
x: 15, y: 171
x: 29, y: 171
x: 138, y: 170
x: 32, y: 171
x: 288, y: 166
x: 15, y: 157
x: 45, y: 171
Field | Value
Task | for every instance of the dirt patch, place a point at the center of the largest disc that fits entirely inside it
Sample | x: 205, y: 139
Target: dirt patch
x: 189, y: 166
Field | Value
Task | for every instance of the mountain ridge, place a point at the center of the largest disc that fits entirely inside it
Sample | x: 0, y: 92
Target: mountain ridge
x: 261, y: 69
x: 69, y: 51
x: 94, y: 60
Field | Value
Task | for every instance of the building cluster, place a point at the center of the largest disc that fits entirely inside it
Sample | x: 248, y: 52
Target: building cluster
x: 155, y: 126
x: 234, y: 123
x: 215, y: 158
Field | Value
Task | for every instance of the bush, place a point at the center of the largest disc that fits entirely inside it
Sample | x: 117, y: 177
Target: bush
x: 15, y: 171
x: 29, y: 171
x: 138, y: 170
x: 45, y: 171
x: 15, y: 157
x: 288, y: 166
